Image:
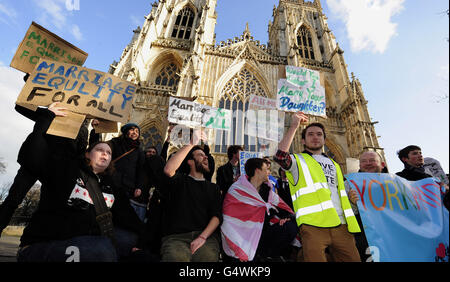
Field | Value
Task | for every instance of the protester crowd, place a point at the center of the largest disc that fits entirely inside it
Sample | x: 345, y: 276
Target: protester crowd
x: 115, y: 201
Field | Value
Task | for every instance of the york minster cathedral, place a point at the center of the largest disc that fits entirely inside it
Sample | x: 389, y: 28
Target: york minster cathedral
x: 175, y: 54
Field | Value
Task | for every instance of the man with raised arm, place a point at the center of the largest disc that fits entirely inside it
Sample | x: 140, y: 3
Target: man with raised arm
x: 193, y: 207
x: 322, y: 206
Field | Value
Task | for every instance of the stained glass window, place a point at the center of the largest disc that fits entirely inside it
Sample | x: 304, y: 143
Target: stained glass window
x: 168, y: 76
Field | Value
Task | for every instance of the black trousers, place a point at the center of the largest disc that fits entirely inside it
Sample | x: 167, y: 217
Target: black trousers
x: 275, y: 239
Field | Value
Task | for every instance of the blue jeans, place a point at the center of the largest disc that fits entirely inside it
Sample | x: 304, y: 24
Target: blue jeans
x: 76, y: 249
x: 126, y: 240
x: 140, y: 209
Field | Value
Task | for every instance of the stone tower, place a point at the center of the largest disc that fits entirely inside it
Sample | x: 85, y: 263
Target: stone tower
x: 300, y: 33
x: 175, y: 54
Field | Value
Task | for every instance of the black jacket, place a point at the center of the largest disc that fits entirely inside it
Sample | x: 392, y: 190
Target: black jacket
x: 153, y: 175
x: 129, y: 170
x: 31, y: 155
x: 36, y: 142
x: 284, y: 192
x: 225, y: 177
x: 61, y: 214
x: 413, y: 173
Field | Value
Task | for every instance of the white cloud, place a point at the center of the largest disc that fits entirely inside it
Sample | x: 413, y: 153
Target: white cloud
x: 8, y: 11
x: 57, y: 13
x: 53, y: 11
x: 7, y: 14
x: 368, y: 22
x: 76, y: 32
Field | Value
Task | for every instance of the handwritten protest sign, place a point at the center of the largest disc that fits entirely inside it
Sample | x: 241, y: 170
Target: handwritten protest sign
x: 217, y: 118
x: 433, y: 167
x: 196, y: 115
x: 67, y: 126
x: 186, y: 112
x: 301, y: 91
x: 81, y: 90
x: 403, y: 220
x: 106, y: 126
x: 264, y: 120
x: 244, y: 156
x: 41, y: 43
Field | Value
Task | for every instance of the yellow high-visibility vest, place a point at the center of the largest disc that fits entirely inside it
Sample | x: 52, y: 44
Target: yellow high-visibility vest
x: 311, y: 196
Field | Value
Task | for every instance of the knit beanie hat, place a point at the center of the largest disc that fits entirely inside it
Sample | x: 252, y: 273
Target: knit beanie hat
x: 124, y: 129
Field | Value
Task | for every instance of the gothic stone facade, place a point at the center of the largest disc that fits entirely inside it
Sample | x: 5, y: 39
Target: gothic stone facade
x: 176, y: 54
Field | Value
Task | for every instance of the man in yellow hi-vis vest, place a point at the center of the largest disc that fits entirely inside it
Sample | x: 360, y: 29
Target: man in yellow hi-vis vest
x: 322, y: 206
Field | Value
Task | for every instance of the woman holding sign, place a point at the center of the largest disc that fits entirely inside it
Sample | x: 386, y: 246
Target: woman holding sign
x: 79, y: 208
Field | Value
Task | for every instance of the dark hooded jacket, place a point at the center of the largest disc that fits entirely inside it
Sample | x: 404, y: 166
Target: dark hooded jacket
x: 61, y: 214
x: 129, y: 169
x: 413, y: 173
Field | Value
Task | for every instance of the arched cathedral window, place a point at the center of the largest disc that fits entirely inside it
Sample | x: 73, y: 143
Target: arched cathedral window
x: 168, y: 76
x: 152, y: 137
x: 304, y: 41
x: 235, y: 96
x: 183, y: 24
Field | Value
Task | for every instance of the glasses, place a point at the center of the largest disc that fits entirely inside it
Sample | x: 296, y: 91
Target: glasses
x: 369, y: 161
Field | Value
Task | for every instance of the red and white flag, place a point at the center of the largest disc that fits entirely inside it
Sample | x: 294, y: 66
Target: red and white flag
x: 243, y: 218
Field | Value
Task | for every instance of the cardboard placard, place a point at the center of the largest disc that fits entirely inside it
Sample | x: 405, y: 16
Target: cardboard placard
x: 41, y: 43
x: 67, y: 126
x: 81, y: 90
x: 106, y: 126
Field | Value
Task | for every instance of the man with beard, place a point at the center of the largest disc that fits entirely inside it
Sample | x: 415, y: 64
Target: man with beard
x: 192, y: 210
x: 322, y: 207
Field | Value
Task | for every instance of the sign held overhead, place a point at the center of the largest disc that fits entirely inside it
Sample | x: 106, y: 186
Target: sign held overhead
x: 40, y: 43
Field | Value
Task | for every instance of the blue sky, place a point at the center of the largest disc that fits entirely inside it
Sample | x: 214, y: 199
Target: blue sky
x: 397, y: 48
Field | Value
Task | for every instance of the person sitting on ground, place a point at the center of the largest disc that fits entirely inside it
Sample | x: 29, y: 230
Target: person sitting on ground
x: 80, y: 207
x: 269, y: 222
x: 192, y: 207
x: 26, y: 177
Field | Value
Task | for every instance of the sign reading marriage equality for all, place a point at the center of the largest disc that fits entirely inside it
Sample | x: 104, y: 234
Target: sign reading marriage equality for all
x: 41, y: 43
x: 81, y: 90
x: 403, y: 220
x: 301, y: 91
x: 196, y: 115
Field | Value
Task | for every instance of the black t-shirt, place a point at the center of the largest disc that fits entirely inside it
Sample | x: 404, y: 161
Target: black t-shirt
x: 189, y: 204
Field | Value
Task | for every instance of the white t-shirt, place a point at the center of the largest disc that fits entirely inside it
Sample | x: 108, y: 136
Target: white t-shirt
x: 330, y: 173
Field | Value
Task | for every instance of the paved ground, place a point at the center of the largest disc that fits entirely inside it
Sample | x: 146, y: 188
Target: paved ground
x: 8, y: 248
